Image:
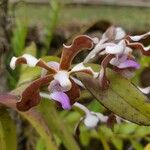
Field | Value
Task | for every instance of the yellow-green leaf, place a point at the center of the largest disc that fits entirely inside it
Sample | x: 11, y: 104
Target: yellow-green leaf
x: 122, y: 97
x: 7, y: 131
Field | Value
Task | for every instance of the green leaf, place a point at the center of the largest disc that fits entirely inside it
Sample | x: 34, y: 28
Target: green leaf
x: 19, y: 36
x: 117, y: 142
x: 125, y: 128
x: 122, y: 97
x: 54, y: 14
x: 136, y: 145
x: 7, y: 131
x: 57, y: 125
x: 36, y: 119
x: 31, y: 49
x: 40, y: 144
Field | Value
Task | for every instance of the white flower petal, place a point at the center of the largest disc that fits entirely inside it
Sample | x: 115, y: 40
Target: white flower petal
x: 139, y: 37
x: 78, y: 82
x: 144, y: 90
x: 91, y: 121
x: 120, y: 33
x: 146, y: 48
x: 117, y: 48
x: 80, y: 67
x: 114, y: 62
x: 31, y: 60
x: 97, y: 49
x: 101, y: 117
x: 13, y: 63
x: 63, y: 78
x: 128, y: 50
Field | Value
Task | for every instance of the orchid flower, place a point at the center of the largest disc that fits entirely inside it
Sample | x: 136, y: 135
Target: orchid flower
x: 91, y: 119
x: 62, y: 86
x: 117, y: 47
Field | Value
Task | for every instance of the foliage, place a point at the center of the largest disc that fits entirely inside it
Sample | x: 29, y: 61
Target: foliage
x: 61, y: 129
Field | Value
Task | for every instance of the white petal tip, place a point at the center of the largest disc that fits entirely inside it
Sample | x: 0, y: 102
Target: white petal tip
x: 144, y: 90
x: 31, y: 60
x: 13, y: 63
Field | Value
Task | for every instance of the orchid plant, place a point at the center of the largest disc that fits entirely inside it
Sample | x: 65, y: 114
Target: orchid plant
x: 115, y: 50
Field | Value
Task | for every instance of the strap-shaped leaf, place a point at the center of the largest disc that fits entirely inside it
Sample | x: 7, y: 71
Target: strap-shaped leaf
x: 34, y: 117
x: 8, y: 138
x: 122, y: 97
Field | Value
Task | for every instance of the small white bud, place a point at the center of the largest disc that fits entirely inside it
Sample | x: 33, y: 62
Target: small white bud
x: 91, y: 121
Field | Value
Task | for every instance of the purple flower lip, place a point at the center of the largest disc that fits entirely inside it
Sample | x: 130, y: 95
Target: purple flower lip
x: 129, y: 64
x: 62, y: 98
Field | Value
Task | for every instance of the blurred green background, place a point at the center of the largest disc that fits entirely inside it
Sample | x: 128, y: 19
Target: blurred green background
x: 40, y: 28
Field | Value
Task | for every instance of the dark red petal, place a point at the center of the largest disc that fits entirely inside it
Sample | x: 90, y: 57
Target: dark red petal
x: 139, y: 46
x: 44, y: 65
x: 30, y: 96
x: 80, y: 43
x: 104, y: 82
x: 73, y: 93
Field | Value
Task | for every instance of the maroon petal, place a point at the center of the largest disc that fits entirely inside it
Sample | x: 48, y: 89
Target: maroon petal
x: 104, y: 83
x: 140, y: 47
x: 30, y: 96
x: 73, y: 93
x: 80, y: 43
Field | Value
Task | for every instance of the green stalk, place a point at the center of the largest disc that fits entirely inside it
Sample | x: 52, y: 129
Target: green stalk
x: 55, y: 7
x: 57, y: 125
x: 37, y: 121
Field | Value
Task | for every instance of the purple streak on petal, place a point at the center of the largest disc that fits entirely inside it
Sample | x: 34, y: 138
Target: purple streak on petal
x: 62, y: 98
x: 122, y: 58
x: 55, y: 86
x: 53, y: 64
x: 129, y: 64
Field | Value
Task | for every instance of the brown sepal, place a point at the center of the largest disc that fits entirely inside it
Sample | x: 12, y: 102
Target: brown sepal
x: 73, y: 93
x: 80, y: 43
x: 104, y: 82
x: 30, y: 96
x: 139, y: 46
